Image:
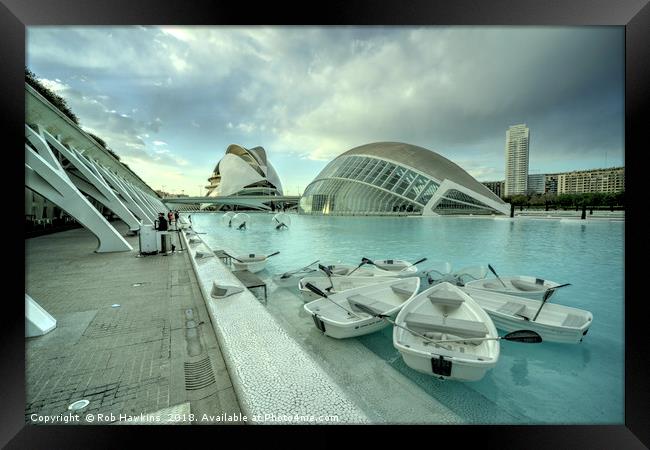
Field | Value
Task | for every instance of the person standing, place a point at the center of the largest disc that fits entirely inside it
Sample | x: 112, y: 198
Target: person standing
x: 162, y: 222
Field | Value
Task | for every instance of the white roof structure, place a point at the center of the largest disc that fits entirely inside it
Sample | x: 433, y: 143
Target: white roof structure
x: 244, y: 171
x: 385, y: 178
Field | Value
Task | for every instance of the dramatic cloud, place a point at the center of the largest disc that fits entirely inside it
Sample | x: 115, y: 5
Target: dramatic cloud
x: 171, y: 99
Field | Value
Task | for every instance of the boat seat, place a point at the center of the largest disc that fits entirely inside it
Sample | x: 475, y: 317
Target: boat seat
x: 573, y: 321
x: 446, y: 301
x: 376, y: 306
x: 340, y: 271
x: 458, y: 327
x: 491, y: 285
x: 527, y: 286
x: 401, y: 290
x: 343, y: 285
x: 511, y: 308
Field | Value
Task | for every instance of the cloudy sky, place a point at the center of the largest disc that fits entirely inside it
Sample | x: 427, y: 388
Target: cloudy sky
x: 169, y: 101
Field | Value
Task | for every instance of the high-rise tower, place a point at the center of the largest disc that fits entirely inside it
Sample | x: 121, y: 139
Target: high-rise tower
x: 517, y: 138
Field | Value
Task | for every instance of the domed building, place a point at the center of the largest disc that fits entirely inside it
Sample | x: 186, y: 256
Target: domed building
x: 390, y: 178
x: 244, y: 171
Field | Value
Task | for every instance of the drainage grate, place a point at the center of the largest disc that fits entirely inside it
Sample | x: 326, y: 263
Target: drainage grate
x: 198, y: 374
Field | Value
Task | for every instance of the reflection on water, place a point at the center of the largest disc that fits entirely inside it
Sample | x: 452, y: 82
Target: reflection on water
x: 519, y: 372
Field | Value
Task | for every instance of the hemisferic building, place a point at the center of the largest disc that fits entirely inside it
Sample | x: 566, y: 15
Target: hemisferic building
x: 393, y: 178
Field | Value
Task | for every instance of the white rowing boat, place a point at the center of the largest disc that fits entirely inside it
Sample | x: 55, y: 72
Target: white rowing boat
x: 520, y: 285
x: 399, y: 267
x: 291, y: 278
x: 339, y: 315
x: 251, y: 262
x: 444, y: 312
x: 335, y: 284
x: 344, y: 270
x: 555, y: 323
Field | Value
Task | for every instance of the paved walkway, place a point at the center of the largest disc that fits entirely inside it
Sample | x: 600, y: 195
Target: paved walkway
x: 154, y: 358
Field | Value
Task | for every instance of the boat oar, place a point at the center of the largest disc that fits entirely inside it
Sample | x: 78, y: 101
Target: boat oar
x: 495, y: 274
x: 317, y: 291
x: 414, y: 264
x: 430, y: 279
x: 288, y: 274
x: 523, y: 336
x: 329, y: 276
x: 272, y: 254
x: 230, y: 256
x: 547, y: 294
x: 363, y: 261
x: 367, y: 310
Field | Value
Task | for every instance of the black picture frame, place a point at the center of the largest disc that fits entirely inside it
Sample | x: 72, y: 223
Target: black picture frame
x: 634, y: 15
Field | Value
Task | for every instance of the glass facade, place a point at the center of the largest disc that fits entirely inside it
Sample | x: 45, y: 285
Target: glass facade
x: 366, y: 185
x: 456, y: 202
x: 369, y: 185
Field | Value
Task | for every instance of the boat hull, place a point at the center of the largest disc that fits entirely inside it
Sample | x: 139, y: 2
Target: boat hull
x: 493, y: 285
x: 253, y: 266
x: 338, y: 331
x: 445, y: 309
x: 323, y: 283
x: 353, y: 312
x: 291, y: 281
x: 461, y: 370
x: 549, y: 330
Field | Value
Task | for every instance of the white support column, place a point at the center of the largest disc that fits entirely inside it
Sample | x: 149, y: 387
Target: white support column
x: 37, y: 321
x: 138, y: 197
x: 90, y: 183
x: 146, y: 199
x: 151, y: 200
x: 131, y: 203
x: 44, y: 175
x: 157, y: 203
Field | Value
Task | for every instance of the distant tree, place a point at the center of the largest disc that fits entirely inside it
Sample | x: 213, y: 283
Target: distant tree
x: 620, y: 198
x: 537, y: 200
x: 565, y: 200
x: 518, y: 200
x: 98, y: 139
x: 101, y: 142
x: 51, y: 97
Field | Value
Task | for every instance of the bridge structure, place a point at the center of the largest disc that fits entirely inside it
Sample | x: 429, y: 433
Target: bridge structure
x: 262, y: 202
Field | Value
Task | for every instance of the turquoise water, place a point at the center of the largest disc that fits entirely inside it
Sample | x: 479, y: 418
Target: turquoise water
x: 544, y: 383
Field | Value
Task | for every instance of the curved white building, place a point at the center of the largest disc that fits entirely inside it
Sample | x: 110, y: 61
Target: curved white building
x: 386, y: 178
x: 244, y: 171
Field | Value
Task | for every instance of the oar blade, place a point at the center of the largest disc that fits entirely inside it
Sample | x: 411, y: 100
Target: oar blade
x: 418, y: 262
x: 523, y: 336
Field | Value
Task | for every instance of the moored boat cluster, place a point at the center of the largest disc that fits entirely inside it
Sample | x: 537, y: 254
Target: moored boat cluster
x: 447, y: 329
